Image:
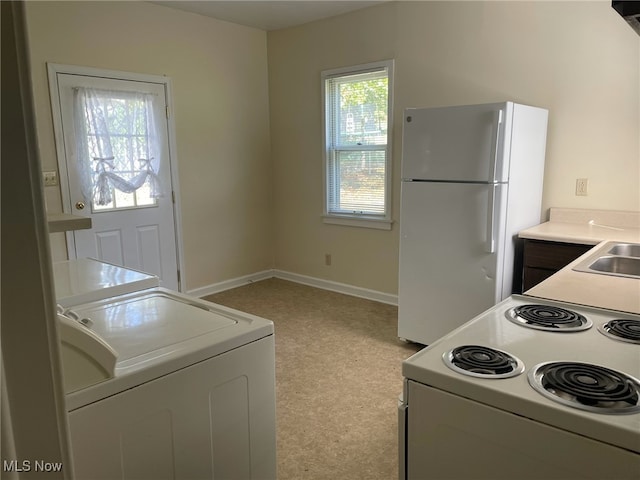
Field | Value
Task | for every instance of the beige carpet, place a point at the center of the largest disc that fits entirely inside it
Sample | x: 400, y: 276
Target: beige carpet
x: 338, y: 377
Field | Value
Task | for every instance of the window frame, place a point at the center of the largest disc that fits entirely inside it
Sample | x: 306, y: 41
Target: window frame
x: 382, y: 221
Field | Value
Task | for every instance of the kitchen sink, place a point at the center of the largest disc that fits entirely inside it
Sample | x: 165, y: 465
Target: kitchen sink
x: 617, y: 265
x: 626, y: 249
x: 613, y: 258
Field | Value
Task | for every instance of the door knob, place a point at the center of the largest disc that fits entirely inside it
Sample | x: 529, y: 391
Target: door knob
x: 79, y: 205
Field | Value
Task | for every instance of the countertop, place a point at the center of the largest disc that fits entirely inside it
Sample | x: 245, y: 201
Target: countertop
x: 84, y: 280
x: 64, y: 222
x: 588, y: 227
x: 584, y: 234
x: 583, y: 288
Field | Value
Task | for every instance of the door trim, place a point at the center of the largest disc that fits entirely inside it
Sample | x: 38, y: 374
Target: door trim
x: 53, y: 70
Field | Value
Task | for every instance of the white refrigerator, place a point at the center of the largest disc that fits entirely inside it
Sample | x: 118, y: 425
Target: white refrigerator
x: 471, y: 179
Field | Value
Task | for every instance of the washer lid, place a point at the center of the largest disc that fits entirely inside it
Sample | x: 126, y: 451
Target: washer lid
x: 155, y: 321
x: 156, y: 332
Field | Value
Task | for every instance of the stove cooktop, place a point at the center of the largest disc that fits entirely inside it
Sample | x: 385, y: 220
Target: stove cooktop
x: 533, y: 340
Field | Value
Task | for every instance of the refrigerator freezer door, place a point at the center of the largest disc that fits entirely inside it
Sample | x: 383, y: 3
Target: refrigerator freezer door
x: 462, y: 144
x: 448, y: 233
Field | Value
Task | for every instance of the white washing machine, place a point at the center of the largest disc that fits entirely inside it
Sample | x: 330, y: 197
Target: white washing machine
x: 160, y: 385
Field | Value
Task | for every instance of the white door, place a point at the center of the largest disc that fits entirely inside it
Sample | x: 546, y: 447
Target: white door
x: 113, y: 165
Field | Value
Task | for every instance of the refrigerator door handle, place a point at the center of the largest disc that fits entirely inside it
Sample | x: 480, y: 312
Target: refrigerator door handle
x: 493, y: 165
x: 491, y: 215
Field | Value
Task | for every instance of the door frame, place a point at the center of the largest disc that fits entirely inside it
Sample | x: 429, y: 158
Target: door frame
x: 53, y: 70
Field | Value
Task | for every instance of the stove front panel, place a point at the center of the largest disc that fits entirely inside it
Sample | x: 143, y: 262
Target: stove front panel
x: 455, y: 438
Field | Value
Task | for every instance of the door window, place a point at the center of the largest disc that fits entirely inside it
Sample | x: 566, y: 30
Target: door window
x: 117, y: 149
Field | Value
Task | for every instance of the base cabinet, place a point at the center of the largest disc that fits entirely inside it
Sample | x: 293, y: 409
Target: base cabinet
x: 541, y: 259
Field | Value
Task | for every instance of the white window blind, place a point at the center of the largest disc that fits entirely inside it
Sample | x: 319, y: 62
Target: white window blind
x: 357, y: 141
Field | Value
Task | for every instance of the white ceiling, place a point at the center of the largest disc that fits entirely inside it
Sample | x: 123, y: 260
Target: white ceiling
x: 270, y: 14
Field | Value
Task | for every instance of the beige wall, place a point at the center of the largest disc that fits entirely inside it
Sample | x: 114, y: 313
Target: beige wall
x: 362, y: 257
x: 578, y: 59
x: 219, y: 75
x: 252, y: 202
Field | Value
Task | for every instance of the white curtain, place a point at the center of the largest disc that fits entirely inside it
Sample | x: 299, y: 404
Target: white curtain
x: 117, y: 143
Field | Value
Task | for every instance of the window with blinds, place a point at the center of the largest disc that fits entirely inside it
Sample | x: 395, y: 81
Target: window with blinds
x: 357, y: 126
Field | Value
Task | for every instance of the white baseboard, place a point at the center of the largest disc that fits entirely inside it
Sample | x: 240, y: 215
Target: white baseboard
x: 338, y: 287
x: 297, y: 278
x: 229, y: 284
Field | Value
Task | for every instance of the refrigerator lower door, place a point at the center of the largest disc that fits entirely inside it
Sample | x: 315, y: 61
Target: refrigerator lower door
x: 451, y: 243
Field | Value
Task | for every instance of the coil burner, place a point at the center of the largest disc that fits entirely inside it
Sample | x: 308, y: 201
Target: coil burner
x: 623, y: 329
x: 587, y: 387
x: 484, y: 362
x: 548, y: 317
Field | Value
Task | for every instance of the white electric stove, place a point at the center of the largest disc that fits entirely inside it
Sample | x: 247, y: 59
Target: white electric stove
x: 529, y: 389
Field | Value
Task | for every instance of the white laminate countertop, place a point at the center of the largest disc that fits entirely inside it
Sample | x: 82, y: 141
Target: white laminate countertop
x: 588, y: 227
x: 86, y: 280
x: 591, y: 228
x: 576, y: 233
x: 64, y: 222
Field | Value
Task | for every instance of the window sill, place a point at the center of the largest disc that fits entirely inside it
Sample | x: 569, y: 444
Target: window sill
x: 352, y: 221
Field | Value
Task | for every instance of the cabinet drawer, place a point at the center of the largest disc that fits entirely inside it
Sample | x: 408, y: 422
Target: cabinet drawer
x: 551, y: 255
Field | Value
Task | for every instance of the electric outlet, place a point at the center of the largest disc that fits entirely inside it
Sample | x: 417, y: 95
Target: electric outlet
x: 50, y: 178
x: 582, y: 186
x: 327, y: 259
